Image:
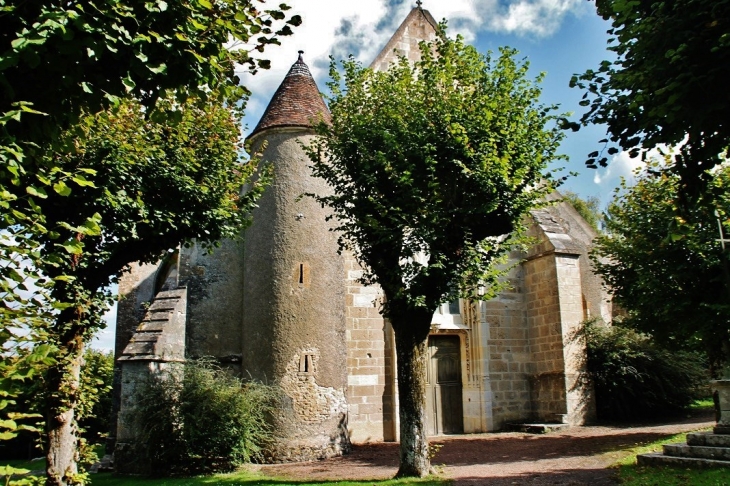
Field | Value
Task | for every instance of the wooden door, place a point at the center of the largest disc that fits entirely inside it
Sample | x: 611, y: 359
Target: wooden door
x: 444, y: 411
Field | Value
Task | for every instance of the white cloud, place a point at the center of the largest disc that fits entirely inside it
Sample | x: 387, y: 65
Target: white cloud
x: 539, y: 18
x: 620, y: 165
x: 340, y: 28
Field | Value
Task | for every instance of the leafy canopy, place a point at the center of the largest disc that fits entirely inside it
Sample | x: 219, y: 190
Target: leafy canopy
x: 432, y: 165
x: 60, y: 58
x: 667, y: 85
x: 589, y: 208
x: 673, y: 287
x: 60, y: 61
x: 156, y: 185
x: 146, y: 187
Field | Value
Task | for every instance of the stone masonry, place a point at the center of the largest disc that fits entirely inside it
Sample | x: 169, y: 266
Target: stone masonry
x: 282, y: 306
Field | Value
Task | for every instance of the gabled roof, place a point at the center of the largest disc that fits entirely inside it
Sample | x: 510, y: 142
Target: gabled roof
x: 297, y: 102
x: 418, y: 26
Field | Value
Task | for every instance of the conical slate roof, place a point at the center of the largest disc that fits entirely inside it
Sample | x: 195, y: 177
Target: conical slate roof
x: 297, y: 102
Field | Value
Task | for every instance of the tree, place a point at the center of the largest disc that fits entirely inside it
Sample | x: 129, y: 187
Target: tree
x: 666, y: 86
x: 432, y: 166
x: 61, y: 61
x: 93, y: 411
x: 674, y: 287
x: 155, y: 185
x: 589, y: 208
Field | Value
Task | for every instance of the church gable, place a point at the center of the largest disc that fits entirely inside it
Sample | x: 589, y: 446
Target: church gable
x: 418, y: 26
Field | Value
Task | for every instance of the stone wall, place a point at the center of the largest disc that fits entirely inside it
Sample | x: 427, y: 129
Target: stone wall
x: 370, y: 362
x: 418, y: 26
x: 136, y: 291
x: 572, y: 314
x: 215, y: 301
x: 157, y: 346
x: 508, y: 352
x: 546, y: 338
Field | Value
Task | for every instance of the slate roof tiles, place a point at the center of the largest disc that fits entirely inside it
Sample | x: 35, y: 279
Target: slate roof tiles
x: 297, y: 102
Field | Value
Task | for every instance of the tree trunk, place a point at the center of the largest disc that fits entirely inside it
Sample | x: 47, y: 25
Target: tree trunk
x: 63, y: 390
x: 411, y: 348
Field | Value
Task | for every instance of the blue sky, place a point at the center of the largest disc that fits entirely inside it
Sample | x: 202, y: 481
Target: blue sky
x: 558, y: 37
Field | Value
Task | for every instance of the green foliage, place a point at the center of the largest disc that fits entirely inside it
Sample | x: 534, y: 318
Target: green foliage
x: 442, y: 159
x: 95, y: 404
x: 433, y: 167
x: 62, y: 59
x: 668, y: 83
x: 200, y: 419
x: 669, y: 271
x: 93, y: 410
x: 134, y: 190
x: 60, y: 62
x: 589, y: 208
x: 634, y: 378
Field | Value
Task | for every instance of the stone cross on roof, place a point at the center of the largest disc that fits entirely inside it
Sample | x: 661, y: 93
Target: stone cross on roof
x: 419, y: 3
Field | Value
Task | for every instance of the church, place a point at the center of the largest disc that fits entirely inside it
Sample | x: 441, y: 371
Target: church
x: 280, y: 305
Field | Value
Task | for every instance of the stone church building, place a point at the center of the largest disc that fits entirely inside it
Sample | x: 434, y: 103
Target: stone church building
x: 280, y: 305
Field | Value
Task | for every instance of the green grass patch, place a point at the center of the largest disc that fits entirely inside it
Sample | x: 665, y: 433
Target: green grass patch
x: 23, y: 464
x: 631, y: 474
x: 247, y: 478
x: 673, y: 476
x: 702, y: 404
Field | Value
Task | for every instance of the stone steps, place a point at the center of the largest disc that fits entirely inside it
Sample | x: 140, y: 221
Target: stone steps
x: 537, y: 428
x: 161, y: 334
x: 702, y: 450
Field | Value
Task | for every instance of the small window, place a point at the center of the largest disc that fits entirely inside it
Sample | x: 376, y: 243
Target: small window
x: 301, y: 274
x: 454, y: 307
x: 306, y: 363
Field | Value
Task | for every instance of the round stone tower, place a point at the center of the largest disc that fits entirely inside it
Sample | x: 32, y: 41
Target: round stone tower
x: 294, y: 289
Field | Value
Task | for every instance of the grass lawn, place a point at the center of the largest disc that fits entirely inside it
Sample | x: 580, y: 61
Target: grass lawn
x: 632, y: 474
x: 246, y: 478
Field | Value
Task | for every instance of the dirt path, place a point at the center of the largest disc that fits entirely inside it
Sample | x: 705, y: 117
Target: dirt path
x: 576, y: 456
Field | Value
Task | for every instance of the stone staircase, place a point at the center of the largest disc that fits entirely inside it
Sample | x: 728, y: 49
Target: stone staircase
x: 702, y: 450
x: 161, y: 334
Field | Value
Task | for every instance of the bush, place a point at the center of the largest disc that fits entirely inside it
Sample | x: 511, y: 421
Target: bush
x: 95, y: 406
x: 92, y: 413
x: 201, y: 419
x: 634, y: 378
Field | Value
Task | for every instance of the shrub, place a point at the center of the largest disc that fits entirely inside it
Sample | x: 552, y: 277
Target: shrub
x: 634, y: 378
x: 201, y: 419
x: 95, y: 406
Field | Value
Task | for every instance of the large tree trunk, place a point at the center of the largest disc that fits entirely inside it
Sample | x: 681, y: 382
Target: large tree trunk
x: 411, y: 348
x: 63, y: 390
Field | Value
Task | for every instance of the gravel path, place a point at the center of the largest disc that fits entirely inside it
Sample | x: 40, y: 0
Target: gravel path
x: 575, y: 456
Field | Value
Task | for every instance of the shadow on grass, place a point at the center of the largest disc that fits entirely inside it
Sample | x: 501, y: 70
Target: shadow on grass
x: 592, y: 477
x: 251, y: 479
x: 500, y: 450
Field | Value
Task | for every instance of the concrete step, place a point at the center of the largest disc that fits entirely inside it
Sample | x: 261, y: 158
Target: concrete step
x: 700, y: 452
x: 656, y: 459
x: 537, y: 428
x: 708, y: 439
